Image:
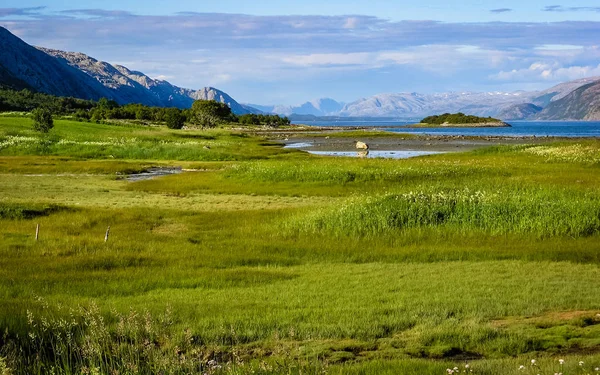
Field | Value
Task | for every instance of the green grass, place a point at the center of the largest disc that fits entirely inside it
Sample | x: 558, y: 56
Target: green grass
x: 272, y: 261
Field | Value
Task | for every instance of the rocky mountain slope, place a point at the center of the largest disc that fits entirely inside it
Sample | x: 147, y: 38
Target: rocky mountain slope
x: 545, y: 97
x: 23, y: 65
x: 581, y: 104
x: 76, y: 74
x: 519, y: 112
x: 135, y: 87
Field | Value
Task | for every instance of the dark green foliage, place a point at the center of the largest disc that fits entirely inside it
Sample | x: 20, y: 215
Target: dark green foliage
x: 269, y: 120
x: 129, y: 112
x: 457, y: 118
x: 210, y: 113
x: 42, y: 120
x: 175, y: 118
x: 207, y: 113
x: 26, y: 211
x: 26, y: 100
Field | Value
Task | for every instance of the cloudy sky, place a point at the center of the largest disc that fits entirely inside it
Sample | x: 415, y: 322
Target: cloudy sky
x: 287, y: 52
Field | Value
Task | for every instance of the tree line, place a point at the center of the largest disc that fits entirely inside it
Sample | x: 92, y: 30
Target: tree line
x: 205, y: 113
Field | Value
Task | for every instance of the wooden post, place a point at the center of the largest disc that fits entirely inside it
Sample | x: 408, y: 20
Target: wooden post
x: 107, y: 233
x: 37, y: 231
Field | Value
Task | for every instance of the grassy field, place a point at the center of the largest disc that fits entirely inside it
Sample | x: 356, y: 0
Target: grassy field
x: 264, y: 260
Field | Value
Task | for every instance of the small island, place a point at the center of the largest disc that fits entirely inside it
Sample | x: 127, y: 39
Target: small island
x: 459, y: 120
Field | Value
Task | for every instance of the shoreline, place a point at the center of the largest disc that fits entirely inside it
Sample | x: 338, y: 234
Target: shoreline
x: 500, y: 124
x: 325, y: 139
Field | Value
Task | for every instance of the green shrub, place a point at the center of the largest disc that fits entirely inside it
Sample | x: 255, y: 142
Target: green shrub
x: 175, y: 118
x: 42, y: 120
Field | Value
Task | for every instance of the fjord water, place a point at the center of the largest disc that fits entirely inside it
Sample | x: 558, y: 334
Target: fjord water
x: 518, y: 128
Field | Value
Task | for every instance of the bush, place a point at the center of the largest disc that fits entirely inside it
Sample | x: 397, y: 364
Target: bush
x: 42, y: 120
x: 175, y: 118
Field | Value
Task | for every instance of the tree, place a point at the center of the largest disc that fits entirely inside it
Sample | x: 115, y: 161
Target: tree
x: 143, y: 113
x: 42, y: 120
x: 209, y: 113
x: 175, y: 118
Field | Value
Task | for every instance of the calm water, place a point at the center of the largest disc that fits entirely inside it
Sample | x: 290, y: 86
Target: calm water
x: 376, y: 154
x: 519, y: 128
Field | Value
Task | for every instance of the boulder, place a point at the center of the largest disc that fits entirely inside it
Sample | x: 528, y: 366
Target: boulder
x: 362, y: 145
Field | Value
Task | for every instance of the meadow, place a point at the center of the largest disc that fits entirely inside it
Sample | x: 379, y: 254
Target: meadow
x: 264, y: 260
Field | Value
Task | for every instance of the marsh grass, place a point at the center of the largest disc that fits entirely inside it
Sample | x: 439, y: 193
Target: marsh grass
x: 274, y: 261
x: 134, y: 142
x: 14, y: 211
x: 541, y: 212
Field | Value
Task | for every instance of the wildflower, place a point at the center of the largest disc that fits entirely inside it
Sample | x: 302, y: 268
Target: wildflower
x: 561, y: 361
x: 467, y: 365
x: 521, y: 367
x: 533, y: 362
x: 580, y: 363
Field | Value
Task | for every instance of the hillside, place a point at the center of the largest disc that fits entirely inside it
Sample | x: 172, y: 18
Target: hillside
x: 581, y: 104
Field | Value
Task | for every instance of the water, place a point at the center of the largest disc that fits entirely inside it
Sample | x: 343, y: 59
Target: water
x: 376, y: 154
x: 151, y: 173
x: 519, y: 128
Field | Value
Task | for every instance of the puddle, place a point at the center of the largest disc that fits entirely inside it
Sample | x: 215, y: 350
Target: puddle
x: 298, y: 145
x: 377, y: 154
x: 153, y: 172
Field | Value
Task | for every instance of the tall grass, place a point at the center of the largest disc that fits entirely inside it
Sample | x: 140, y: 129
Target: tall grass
x: 539, y: 212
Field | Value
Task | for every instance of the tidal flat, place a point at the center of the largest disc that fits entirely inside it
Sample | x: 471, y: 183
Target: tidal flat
x: 267, y: 260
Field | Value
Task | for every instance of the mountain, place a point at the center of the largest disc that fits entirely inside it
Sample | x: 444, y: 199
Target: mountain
x: 318, y: 107
x: 420, y: 105
x: 513, y: 105
x: 129, y: 86
x: 210, y: 93
x: 78, y: 75
x: 581, y: 104
x: 544, y: 98
x: 23, y: 66
x: 519, y: 112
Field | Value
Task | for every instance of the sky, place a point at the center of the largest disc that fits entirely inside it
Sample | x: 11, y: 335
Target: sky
x: 288, y: 52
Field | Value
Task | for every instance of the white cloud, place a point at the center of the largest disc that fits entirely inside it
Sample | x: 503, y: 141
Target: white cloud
x: 319, y: 59
x: 351, y: 23
x: 548, y: 72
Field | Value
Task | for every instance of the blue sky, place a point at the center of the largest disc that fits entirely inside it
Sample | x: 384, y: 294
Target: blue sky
x: 287, y: 52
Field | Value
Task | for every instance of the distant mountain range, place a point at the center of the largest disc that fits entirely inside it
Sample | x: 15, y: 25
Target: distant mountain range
x: 553, y: 103
x: 78, y: 75
x: 319, y: 107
